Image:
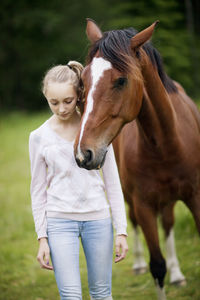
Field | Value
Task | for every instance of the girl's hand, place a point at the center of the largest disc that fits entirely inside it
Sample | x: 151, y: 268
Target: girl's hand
x: 120, y: 243
x: 44, y: 254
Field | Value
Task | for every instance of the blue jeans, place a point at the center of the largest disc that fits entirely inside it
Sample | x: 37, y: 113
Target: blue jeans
x: 97, y: 240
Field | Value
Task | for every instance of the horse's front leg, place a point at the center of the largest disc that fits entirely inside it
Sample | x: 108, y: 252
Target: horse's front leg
x: 167, y: 217
x: 146, y: 218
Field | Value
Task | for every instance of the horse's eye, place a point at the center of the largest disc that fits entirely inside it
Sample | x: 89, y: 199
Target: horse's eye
x: 120, y: 82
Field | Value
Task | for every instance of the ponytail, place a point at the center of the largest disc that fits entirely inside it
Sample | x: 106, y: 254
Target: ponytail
x: 76, y: 67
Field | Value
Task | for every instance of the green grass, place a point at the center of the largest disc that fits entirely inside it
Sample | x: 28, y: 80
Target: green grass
x: 20, y: 275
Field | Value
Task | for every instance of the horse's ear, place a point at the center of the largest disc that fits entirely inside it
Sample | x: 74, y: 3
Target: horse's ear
x: 143, y: 36
x: 93, y: 31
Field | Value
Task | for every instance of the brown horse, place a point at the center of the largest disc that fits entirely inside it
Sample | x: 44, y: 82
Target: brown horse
x: 158, y: 150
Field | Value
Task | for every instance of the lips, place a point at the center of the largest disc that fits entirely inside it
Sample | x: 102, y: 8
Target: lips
x: 63, y: 115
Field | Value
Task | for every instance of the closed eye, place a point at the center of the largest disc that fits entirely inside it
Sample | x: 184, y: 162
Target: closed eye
x: 120, y: 82
x: 69, y: 101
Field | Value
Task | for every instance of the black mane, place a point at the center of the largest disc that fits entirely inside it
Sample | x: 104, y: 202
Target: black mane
x: 115, y: 47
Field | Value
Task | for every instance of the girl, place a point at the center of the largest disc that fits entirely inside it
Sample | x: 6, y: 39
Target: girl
x: 69, y: 202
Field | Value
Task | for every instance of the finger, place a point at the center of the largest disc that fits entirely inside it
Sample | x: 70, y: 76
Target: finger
x: 117, y: 250
x: 46, y: 260
x: 122, y: 255
x: 46, y: 266
x: 119, y: 258
x: 124, y: 251
x: 42, y: 263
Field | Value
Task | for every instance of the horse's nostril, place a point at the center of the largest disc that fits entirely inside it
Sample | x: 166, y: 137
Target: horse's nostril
x: 85, y: 160
x: 88, y: 156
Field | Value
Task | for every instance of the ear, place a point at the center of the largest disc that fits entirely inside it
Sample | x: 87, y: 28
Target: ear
x: 93, y: 31
x: 143, y: 36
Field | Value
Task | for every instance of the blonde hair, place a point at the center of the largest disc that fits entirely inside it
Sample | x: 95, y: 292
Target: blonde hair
x: 70, y: 73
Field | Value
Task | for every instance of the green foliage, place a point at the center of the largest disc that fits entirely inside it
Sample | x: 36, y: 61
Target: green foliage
x: 171, y: 37
x: 21, y: 277
x: 35, y: 35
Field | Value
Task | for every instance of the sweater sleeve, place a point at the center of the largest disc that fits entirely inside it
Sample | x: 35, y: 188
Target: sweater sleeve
x: 114, y: 192
x: 38, y: 185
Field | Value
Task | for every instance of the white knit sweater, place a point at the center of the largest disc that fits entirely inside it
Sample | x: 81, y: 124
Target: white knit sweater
x: 59, y: 188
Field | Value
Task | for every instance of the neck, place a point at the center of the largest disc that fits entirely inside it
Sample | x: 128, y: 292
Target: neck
x: 157, y: 118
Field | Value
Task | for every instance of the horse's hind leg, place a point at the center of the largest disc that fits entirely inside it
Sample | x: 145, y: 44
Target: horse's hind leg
x: 167, y: 217
x: 194, y: 205
x: 146, y: 217
x: 139, y: 264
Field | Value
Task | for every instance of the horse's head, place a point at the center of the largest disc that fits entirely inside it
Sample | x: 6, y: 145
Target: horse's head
x: 113, y: 90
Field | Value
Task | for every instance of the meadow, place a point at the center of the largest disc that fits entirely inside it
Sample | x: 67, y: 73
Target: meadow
x: 21, y: 278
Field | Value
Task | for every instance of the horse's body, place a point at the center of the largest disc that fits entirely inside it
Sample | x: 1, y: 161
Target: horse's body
x: 154, y: 177
x: 158, y: 150
x: 158, y: 167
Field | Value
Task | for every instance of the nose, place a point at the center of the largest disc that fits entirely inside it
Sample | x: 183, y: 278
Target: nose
x: 61, y: 108
x: 86, y: 159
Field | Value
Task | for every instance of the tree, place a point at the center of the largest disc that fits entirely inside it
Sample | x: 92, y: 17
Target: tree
x: 37, y: 35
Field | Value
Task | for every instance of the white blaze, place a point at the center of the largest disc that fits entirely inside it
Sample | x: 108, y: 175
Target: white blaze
x: 98, y: 67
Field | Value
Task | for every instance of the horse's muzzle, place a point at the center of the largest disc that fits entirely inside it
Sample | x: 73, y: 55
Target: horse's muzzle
x: 90, y: 160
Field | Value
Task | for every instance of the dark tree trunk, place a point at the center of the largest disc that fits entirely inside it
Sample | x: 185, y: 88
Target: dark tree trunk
x: 193, y: 48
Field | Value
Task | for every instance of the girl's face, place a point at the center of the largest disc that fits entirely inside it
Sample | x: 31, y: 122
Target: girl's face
x: 62, y: 99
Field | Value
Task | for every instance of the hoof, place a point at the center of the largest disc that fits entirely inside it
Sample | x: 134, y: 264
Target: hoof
x: 182, y: 282
x: 139, y: 271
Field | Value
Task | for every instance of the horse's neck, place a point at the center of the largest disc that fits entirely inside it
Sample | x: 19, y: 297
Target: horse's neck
x: 157, y: 118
